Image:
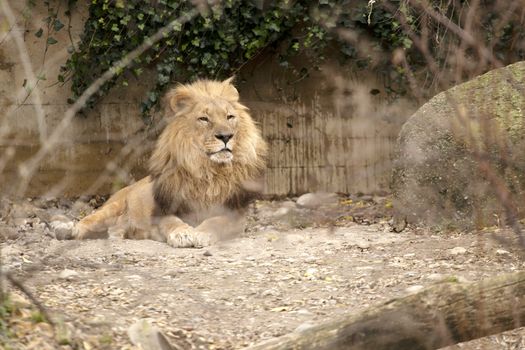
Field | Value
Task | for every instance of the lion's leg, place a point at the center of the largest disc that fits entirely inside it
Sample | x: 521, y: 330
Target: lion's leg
x: 97, y: 224
x: 179, y: 234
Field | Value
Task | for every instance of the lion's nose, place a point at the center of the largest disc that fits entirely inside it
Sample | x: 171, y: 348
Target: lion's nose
x: 224, y: 137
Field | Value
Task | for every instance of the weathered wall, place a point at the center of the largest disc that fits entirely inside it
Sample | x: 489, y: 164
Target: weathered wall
x: 326, y: 132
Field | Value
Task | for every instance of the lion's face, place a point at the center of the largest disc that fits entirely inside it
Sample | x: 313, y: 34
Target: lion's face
x: 209, y: 129
x: 215, y: 128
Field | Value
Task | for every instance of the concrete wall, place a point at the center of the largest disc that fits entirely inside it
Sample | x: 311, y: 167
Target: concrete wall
x: 326, y: 132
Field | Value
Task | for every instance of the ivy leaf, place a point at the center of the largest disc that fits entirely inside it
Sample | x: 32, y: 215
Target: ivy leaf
x: 153, y: 96
x: 177, y: 26
x: 51, y: 41
x: 39, y: 33
x: 163, y: 79
x: 57, y: 25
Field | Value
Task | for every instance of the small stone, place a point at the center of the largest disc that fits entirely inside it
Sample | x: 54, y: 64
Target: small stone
x: 435, y: 277
x: 304, y: 312
x: 207, y: 253
x: 303, y: 326
x: 68, y: 274
x: 314, y: 200
x: 63, y: 230
x: 414, y: 289
x: 281, y: 212
x: 268, y: 292
x: 363, y: 245
x: 147, y: 336
x: 20, y: 222
x: 288, y: 204
x: 502, y: 252
x: 60, y: 218
x: 457, y: 251
x: 311, y: 272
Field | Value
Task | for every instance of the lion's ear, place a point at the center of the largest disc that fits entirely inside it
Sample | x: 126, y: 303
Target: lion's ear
x: 229, y: 80
x: 178, y: 98
x: 229, y: 91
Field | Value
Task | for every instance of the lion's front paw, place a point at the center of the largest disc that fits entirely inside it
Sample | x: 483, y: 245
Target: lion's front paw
x: 190, y: 238
x: 81, y: 231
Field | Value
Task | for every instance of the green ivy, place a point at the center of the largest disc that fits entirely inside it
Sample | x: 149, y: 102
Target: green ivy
x: 227, y: 34
x: 215, y: 43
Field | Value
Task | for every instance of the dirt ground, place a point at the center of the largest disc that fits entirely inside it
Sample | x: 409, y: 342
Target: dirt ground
x: 295, y: 266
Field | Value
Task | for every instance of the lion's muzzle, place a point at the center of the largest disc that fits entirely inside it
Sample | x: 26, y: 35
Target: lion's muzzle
x: 224, y: 137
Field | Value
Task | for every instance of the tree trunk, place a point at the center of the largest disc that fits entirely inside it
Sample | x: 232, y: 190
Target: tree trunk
x: 441, y: 315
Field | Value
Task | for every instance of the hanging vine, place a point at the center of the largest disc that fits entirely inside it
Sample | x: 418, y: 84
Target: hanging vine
x: 225, y: 35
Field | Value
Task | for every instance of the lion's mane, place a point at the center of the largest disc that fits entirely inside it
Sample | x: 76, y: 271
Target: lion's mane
x: 186, y: 181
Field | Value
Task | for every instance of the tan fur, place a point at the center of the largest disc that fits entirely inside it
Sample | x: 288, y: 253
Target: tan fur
x: 202, y: 168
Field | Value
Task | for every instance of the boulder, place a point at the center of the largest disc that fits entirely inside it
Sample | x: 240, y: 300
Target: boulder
x: 463, y: 152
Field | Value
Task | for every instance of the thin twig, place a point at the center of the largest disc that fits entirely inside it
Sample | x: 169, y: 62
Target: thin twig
x: 28, y: 68
x: 20, y: 286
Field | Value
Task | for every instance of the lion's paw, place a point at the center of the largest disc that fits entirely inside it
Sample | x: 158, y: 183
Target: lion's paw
x: 190, y: 238
x: 81, y: 231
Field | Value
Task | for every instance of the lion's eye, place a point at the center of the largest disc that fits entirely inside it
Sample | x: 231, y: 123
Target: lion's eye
x: 230, y: 117
x: 204, y: 119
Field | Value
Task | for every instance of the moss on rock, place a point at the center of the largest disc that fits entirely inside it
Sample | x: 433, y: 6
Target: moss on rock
x: 437, y: 178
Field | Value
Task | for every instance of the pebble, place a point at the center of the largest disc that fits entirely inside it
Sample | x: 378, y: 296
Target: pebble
x: 314, y: 200
x: 68, y: 274
x: 363, y: 245
x: 269, y: 292
x: 311, y: 272
x: 288, y: 204
x: 457, y: 251
x: 281, y: 212
x: 502, y: 252
x: 59, y: 218
x: 303, y: 312
x: 147, y: 337
x: 303, y: 326
x: 414, y: 289
x: 63, y: 230
x: 435, y: 277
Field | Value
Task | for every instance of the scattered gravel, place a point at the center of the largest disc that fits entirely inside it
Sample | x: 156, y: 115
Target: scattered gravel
x: 294, y: 267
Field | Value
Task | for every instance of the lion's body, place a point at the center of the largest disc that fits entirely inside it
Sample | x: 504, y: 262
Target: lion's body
x: 201, y: 172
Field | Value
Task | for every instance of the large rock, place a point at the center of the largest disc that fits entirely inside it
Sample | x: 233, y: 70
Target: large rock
x: 459, y: 147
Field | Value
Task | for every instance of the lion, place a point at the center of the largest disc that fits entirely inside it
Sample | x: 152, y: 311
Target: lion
x: 204, y: 170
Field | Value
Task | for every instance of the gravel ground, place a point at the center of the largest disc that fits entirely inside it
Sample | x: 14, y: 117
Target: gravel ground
x: 296, y: 265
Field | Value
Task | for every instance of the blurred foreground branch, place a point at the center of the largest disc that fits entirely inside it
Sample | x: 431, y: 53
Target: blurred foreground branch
x: 20, y: 286
x: 445, y: 314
